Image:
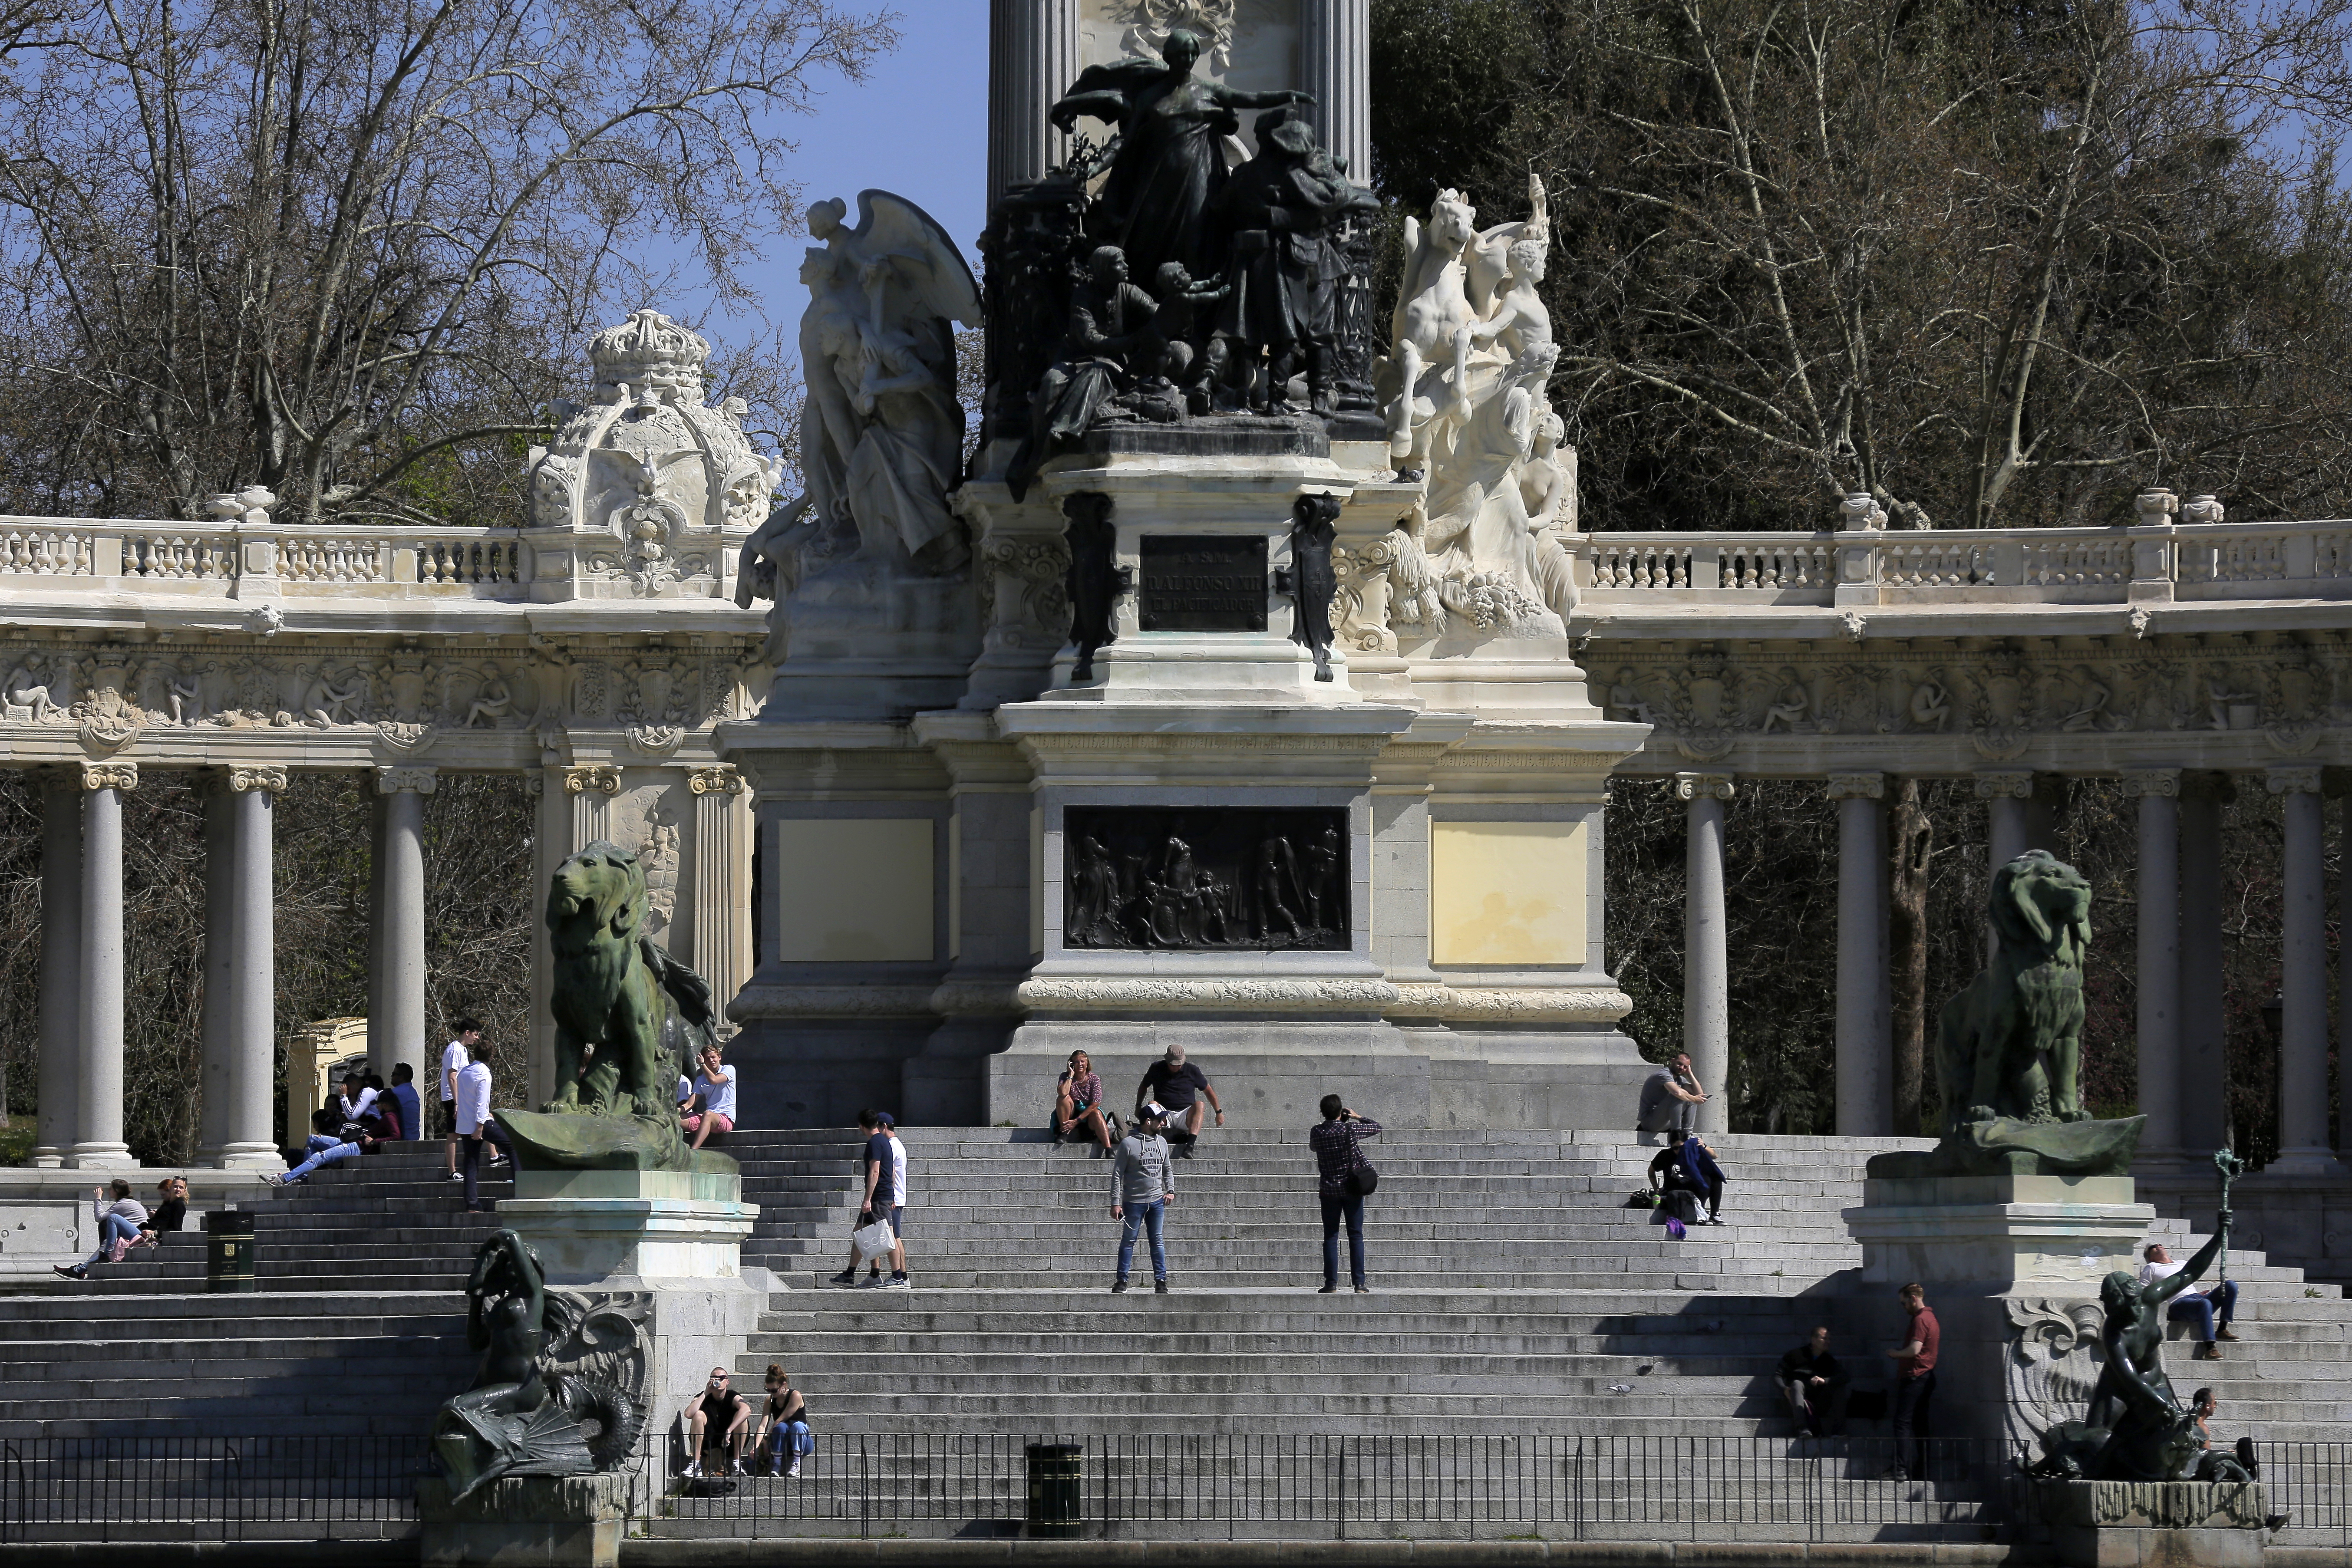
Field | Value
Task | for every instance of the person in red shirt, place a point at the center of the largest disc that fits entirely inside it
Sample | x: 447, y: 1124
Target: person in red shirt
x: 1915, y: 1385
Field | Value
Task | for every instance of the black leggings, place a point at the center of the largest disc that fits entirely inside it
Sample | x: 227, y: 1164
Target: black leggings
x: 469, y: 1157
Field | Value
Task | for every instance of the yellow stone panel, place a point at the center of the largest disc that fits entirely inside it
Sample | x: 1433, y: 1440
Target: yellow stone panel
x: 1506, y: 893
x: 854, y: 889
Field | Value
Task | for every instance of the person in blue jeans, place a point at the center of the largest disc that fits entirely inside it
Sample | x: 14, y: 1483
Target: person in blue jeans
x: 1143, y: 1185
x: 1337, y: 1157
x: 118, y: 1215
x: 326, y: 1149
x: 787, y: 1419
x: 2210, y: 1310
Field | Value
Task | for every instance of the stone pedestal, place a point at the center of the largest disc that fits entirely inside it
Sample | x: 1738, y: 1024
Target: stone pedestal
x: 2158, y: 1524
x: 609, y: 1228
x: 1996, y: 1233
x: 526, y: 1522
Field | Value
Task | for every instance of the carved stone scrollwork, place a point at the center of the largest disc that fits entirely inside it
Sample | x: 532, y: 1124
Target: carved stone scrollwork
x: 120, y: 776
x: 2052, y: 1367
x: 2299, y: 780
x: 721, y: 780
x: 2161, y: 783
x: 2007, y: 784
x: 1857, y: 786
x: 1024, y: 597
x: 597, y: 778
x: 270, y: 778
x: 407, y: 781
x: 1702, y: 786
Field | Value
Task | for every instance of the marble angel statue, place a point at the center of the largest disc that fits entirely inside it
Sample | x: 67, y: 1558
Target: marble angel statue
x: 882, y: 429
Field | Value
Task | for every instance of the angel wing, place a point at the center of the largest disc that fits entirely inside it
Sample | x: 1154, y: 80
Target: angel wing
x: 909, y: 268
x: 1488, y: 259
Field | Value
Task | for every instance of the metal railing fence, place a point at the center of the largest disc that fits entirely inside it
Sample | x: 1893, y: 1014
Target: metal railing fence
x: 226, y: 1489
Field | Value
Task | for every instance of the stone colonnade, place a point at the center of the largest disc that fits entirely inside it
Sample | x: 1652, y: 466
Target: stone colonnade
x: 82, y: 958
x: 2180, y: 1061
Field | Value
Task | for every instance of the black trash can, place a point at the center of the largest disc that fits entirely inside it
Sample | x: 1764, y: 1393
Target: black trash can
x: 1056, y: 1476
x: 228, y: 1260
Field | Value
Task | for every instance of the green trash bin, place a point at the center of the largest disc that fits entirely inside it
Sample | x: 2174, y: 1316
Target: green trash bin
x: 228, y: 1250
x: 1057, y: 1474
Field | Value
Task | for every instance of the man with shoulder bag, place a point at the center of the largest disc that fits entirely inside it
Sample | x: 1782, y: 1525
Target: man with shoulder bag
x: 1344, y: 1178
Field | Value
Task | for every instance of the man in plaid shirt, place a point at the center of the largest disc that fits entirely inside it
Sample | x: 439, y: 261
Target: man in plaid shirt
x: 1337, y: 1157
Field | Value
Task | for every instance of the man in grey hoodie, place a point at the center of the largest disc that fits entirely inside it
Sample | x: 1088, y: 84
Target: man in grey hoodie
x: 1141, y: 1187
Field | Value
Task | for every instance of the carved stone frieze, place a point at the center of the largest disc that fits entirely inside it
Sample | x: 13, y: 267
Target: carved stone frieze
x: 119, y: 776
x: 600, y: 778
x: 272, y: 779
x: 721, y: 780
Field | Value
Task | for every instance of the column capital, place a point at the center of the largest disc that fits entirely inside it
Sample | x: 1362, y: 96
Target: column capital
x: 2304, y: 779
x: 270, y: 778
x: 2162, y: 782
x: 725, y: 778
x: 407, y: 781
x: 595, y: 778
x: 1703, y: 785
x: 2005, y: 784
x: 534, y: 785
x: 122, y: 776
x: 1857, y: 786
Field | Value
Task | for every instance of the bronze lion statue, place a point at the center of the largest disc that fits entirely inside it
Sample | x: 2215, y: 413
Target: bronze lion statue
x: 627, y: 1015
x: 2010, y: 1044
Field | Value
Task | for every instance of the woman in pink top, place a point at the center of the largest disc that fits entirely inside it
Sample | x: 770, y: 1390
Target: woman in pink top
x: 1077, y: 1102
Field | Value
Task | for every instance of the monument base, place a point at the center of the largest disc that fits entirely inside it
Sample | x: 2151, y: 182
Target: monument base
x: 526, y: 1522
x: 1996, y: 1233
x: 598, y: 1227
x: 2159, y: 1524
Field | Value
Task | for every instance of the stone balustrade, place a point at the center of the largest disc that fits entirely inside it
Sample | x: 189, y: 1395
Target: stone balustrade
x: 2162, y: 563
x: 73, y: 557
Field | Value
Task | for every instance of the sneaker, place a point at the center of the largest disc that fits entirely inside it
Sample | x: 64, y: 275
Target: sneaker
x: 1897, y: 1474
x: 899, y: 1281
x: 871, y: 1282
x: 1159, y: 1287
x: 1119, y: 1287
x: 273, y: 1179
x: 794, y: 1474
x: 846, y: 1276
x: 70, y: 1272
x: 693, y: 1470
x: 454, y: 1175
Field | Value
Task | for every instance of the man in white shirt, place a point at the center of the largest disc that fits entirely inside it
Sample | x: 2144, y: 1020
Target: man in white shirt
x: 2210, y: 1310
x: 454, y: 1057
x: 475, y: 1123
x: 712, y: 1108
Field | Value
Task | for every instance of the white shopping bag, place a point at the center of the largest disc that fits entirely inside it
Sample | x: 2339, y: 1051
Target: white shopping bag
x: 873, y: 1241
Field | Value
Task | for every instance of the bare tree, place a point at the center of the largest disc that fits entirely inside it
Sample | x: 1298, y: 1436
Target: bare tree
x: 346, y: 249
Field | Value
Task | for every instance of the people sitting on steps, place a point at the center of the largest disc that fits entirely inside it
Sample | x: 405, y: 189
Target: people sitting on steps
x: 327, y: 1145
x: 119, y: 1216
x: 171, y: 1211
x: 1687, y: 1166
x: 710, y: 1109
x: 1179, y: 1085
x: 1670, y: 1099
x: 2210, y: 1309
x: 783, y: 1425
x: 403, y: 1094
x: 1814, y: 1383
x: 716, y: 1417
x: 1077, y: 1104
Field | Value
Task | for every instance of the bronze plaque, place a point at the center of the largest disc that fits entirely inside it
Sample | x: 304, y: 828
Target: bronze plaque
x: 1205, y: 877
x: 1196, y: 582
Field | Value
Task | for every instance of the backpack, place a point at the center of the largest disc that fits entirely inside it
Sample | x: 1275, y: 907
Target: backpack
x: 1681, y: 1206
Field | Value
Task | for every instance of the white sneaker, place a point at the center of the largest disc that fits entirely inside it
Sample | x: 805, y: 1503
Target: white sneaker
x: 693, y: 1470
x: 897, y: 1282
x: 793, y: 1472
x: 455, y: 1176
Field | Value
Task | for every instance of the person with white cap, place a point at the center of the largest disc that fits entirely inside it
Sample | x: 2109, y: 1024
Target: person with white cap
x: 1141, y: 1187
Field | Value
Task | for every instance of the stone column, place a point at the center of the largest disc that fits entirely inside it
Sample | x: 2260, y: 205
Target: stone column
x: 1865, y: 1005
x: 720, y: 927
x: 590, y: 789
x: 1335, y: 39
x: 400, y: 983
x: 60, y: 966
x: 2304, y: 1118
x: 248, y: 1138
x: 1706, y: 976
x: 2006, y: 792
x: 551, y: 844
x: 380, y: 1057
x: 1032, y: 59
x: 218, y: 1060
x: 98, y: 1131
x: 2204, y: 1071
x: 2158, y: 792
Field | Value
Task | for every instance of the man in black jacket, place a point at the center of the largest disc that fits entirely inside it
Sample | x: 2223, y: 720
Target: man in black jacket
x: 1814, y: 1385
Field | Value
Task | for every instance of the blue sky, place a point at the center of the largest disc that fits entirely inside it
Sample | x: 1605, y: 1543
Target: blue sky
x: 916, y: 126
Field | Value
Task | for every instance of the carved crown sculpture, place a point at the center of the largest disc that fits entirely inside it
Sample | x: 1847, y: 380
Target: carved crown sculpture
x: 651, y: 469
x: 649, y: 351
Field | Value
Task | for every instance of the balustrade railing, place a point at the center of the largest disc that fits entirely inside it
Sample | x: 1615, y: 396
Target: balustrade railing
x: 198, y: 556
